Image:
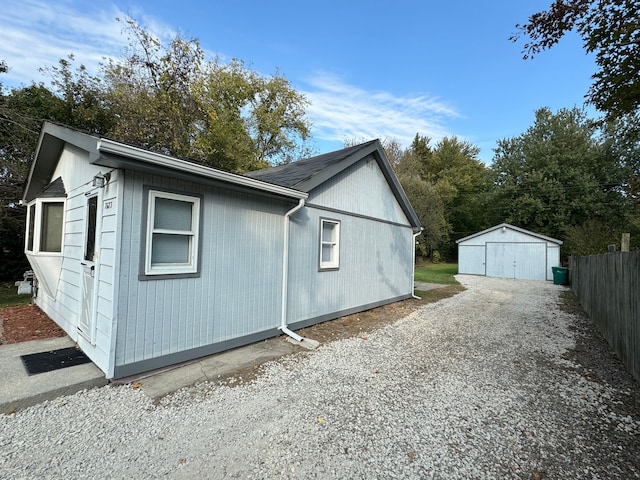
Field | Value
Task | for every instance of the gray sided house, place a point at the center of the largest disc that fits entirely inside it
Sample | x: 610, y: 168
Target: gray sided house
x: 147, y: 260
x: 507, y: 251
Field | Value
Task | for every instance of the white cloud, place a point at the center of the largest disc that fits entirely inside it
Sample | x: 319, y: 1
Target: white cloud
x: 340, y: 112
x: 37, y: 33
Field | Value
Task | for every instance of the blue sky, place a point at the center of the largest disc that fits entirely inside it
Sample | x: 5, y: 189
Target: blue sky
x: 371, y: 69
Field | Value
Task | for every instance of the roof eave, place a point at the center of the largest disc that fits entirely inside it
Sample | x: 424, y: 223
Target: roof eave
x: 373, y: 148
x: 117, y: 150
x: 512, y: 227
x: 52, y: 139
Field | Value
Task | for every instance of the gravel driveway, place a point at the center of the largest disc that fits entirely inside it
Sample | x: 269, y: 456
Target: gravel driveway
x: 496, y: 382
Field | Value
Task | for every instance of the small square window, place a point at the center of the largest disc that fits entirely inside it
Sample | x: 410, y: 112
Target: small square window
x: 172, y: 233
x: 329, y: 244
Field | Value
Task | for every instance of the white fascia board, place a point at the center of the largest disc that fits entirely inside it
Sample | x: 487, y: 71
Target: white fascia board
x: 160, y: 160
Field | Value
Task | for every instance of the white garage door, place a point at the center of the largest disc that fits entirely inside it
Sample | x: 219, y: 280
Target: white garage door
x: 525, y: 261
x: 471, y: 259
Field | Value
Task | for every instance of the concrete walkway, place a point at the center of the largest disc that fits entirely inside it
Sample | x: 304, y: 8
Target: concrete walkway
x: 20, y: 390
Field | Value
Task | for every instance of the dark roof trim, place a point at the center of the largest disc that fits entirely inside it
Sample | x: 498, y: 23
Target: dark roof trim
x: 50, y: 144
x: 120, y: 155
x: 511, y: 227
x: 312, y: 172
x: 109, y: 153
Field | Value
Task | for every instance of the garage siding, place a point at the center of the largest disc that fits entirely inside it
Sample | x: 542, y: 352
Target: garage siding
x: 471, y: 259
x: 506, y: 251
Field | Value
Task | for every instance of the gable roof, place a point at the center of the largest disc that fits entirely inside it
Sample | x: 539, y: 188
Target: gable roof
x: 54, y: 190
x: 511, y: 227
x: 301, y: 172
x: 109, y: 153
x: 309, y: 173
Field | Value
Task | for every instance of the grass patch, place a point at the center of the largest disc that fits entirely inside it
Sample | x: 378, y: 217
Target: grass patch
x: 437, y: 294
x: 436, y: 273
x: 9, y: 296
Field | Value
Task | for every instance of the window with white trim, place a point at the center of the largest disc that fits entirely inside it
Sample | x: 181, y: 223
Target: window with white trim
x: 45, y: 223
x: 329, y: 244
x: 172, y: 233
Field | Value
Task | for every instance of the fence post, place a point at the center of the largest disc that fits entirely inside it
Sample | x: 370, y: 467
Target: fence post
x: 624, y: 242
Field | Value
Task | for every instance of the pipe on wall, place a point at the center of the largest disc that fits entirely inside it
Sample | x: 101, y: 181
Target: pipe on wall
x: 413, y: 269
x: 285, y: 273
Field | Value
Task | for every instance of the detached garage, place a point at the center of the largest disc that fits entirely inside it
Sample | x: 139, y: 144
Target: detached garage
x: 506, y: 251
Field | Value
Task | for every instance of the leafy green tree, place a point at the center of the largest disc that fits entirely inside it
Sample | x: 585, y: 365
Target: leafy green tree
x: 459, y: 179
x: 556, y: 176
x: 430, y: 210
x: 591, y: 238
x: 445, y: 183
x: 458, y: 171
x: 250, y: 121
x: 84, y: 105
x: 168, y: 98
x: 21, y: 112
x: 150, y: 91
x: 611, y: 30
x: 622, y: 141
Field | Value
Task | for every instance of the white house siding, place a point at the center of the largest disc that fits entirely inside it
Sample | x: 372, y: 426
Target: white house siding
x: 376, y: 248
x: 360, y: 189
x: 64, y: 304
x: 375, y: 266
x: 237, y: 293
x: 105, y: 284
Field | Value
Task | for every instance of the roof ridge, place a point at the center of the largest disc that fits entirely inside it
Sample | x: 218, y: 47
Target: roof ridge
x: 295, y: 173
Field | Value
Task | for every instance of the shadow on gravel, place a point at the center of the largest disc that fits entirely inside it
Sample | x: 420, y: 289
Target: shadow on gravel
x: 593, y: 352
x: 356, y: 325
x: 598, y: 363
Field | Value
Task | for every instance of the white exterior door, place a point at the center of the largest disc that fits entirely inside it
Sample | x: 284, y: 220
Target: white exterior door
x: 526, y: 261
x: 471, y: 259
x: 86, y: 322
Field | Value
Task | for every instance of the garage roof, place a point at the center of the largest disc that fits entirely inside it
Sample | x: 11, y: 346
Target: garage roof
x: 512, y: 227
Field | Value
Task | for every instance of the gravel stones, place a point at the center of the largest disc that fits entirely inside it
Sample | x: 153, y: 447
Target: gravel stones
x: 496, y: 382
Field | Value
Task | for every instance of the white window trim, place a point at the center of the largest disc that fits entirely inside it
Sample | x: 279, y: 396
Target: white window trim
x: 37, y: 226
x: 173, y: 268
x: 334, y: 263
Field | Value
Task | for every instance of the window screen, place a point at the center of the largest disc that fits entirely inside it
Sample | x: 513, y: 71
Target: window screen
x: 172, y: 235
x: 32, y: 225
x: 51, y: 230
x: 329, y: 244
x: 92, y: 214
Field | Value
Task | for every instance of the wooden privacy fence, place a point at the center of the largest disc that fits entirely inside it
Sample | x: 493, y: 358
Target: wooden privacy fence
x: 608, y: 288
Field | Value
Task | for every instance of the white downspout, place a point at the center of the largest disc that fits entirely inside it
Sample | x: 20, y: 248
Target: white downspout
x: 285, y: 274
x: 413, y: 270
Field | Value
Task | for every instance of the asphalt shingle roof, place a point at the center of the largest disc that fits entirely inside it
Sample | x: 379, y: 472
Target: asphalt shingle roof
x: 295, y: 173
x: 54, y: 189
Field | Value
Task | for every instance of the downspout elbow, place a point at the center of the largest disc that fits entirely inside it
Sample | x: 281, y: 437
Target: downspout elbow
x: 285, y: 273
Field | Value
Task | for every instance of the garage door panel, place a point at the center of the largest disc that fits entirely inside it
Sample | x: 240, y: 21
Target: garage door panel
x: 516, y: 260
x: 471, y: 259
